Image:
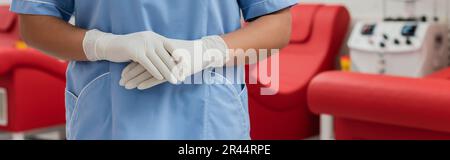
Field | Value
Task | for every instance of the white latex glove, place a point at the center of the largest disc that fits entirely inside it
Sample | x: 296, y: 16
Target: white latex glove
x: 191, y: 57
x: 145, y: 48
x: 135, y: 76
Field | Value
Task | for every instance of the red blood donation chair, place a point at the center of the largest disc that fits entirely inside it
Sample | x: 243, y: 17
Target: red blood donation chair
x: 9, y: 28
x: 31, y: 84
x: 31, y: 91
x: 374, y: 107
x: 317, y: 36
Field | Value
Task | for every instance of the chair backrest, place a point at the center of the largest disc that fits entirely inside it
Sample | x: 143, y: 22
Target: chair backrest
x: 318, y: 35
x: 302, y: 22
x: 330, y: 30
x: 9, y: 27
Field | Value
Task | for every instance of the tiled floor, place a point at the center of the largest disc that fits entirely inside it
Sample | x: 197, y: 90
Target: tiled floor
x: 55, y: 133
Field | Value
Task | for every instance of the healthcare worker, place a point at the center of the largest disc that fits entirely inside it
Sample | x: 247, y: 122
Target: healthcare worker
x: 105, y: 99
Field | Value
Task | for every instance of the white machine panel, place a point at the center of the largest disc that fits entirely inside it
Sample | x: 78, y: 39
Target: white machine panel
x: 3, y: 108
x: 412, y: 49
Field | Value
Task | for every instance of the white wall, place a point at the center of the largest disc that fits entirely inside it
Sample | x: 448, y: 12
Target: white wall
x: 2, y: 2
x: 372, y: 9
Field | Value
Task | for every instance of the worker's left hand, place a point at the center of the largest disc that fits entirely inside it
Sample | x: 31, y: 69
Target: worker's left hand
x: 135, y: 76
x: 191, y: 57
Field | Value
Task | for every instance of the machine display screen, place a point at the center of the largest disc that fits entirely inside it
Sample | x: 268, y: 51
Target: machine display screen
x: 409, y: 30
x: 368, y: 29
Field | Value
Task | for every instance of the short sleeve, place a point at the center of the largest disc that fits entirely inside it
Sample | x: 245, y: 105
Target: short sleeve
x: 58, y: 8
x: 256, y: 8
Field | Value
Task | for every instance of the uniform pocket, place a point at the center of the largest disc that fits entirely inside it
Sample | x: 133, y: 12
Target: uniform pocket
x: 88, y: 113
x: 226, y: 111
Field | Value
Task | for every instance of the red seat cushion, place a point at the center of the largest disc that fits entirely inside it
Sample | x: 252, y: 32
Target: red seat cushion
x: 408, y: 102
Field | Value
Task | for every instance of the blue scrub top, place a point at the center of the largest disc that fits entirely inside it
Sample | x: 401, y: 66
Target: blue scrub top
x: 98, y: 108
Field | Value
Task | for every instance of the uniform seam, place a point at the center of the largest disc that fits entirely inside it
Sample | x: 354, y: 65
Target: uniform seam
x: 206, y: 117
x: 254, y: 4
x: 74, y: 98
x: 48, y: 3
x: 71, y: 94
x: 243, y: 90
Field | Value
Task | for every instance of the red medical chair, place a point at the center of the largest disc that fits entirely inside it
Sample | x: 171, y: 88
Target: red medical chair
x: 31, y: 91
x: 372, y: 107
x: 317, y: 36
x: 31, y: 84
x: 9, y: 28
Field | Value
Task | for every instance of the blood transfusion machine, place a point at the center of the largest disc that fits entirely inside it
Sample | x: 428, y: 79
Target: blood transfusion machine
x: 412, y: 49
x: 405, y: 46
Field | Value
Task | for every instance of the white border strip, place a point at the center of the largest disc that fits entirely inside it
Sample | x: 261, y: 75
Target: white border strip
x: 3, y: 107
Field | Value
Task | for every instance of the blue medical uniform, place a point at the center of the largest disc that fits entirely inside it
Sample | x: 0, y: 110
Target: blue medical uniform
x: 98, y: 108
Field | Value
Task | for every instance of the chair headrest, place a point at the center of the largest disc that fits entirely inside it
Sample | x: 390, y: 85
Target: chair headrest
x: 302, y: 21
x: 7, y: 19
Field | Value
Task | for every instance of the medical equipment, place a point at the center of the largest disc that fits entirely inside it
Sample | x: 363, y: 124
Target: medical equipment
x: 412, y: 49
x: 406, y: 46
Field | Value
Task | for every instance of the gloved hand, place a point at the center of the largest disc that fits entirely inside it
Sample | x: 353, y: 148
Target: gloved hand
x: 145, y: 48
x: 191, y: 57
x: 135, y: 76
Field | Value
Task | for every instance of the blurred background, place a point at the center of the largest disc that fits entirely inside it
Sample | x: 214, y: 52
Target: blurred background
x: 354, y: 70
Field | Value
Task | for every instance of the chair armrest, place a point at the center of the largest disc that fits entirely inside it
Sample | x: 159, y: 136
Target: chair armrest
x: 12, y: 58
x: 408, y: 102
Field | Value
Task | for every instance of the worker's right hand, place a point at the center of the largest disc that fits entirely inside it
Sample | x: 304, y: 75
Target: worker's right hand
x: 145, y: 48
